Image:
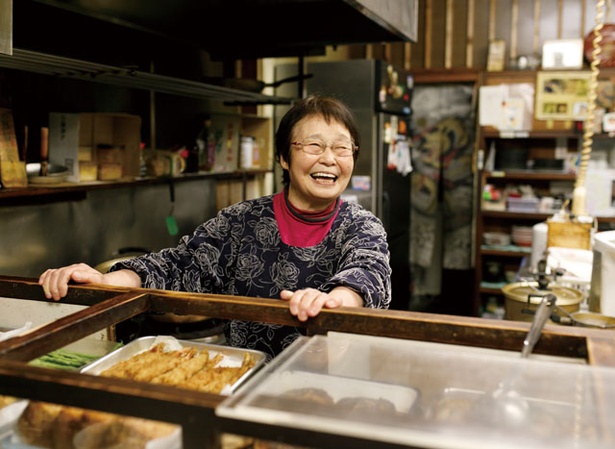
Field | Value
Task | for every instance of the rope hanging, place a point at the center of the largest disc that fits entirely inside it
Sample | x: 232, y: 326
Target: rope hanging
x: 579, y: 194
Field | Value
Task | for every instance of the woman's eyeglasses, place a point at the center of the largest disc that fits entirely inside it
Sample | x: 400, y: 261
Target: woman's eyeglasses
x: 317, y: 147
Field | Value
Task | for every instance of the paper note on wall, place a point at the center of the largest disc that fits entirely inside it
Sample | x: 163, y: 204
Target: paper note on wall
x: 490, y: 104
x: 507, y: 106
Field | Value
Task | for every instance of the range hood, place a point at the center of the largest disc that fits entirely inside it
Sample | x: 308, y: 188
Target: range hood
x: 226, y: 29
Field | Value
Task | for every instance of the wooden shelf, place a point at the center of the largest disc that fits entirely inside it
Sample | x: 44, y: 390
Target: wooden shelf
x: 530, y: 175
x: 514, y: 251
x: 492, y: 290
x: 78, y: 191
x: 535, y: 216
x: 490, y: 133
x: 544, y: 142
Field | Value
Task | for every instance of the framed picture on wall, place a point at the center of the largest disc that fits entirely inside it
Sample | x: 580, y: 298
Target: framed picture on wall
x: 562, y: 95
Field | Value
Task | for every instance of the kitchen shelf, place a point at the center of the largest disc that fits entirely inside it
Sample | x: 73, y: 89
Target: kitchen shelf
x: 529, y: 134
x: 507, y: 251
x: 506, y: 153
x: 528, y: 175
x: 537, y: 216
x: 78, y: 191
x: 62, y: 67
x: 492, y: 288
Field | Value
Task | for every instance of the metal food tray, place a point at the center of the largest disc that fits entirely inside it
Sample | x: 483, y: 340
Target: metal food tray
x: 233, y: 357
x: 268, y: 403
x: 339, y: 388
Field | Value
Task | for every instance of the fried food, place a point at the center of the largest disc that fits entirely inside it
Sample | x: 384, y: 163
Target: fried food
x: 121, y: 434
x: 149, y: 364
x: 36, y: 423
x: 7, y: 400
x: 61, y: 427
x: 365, y: 405
x: 186, y: 368
x: 309, y: 394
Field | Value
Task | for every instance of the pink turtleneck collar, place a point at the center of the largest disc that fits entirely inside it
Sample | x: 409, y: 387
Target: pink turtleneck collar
x: 302, y: 228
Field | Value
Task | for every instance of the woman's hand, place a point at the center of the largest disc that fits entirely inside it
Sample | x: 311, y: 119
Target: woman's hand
x: 55, y: 280
x: 309, y: 302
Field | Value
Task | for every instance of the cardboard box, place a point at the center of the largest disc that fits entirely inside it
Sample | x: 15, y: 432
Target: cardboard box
x: 12, y: 170
x: 72, y: 134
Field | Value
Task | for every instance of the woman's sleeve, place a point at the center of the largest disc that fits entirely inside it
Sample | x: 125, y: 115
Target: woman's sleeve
x: 192, y: 266
x: 365, y: 262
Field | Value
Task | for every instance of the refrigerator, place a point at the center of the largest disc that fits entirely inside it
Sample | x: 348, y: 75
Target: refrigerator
x: 380, y: 96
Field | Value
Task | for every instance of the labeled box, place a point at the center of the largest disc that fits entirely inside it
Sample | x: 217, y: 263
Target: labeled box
x: 77, y: 140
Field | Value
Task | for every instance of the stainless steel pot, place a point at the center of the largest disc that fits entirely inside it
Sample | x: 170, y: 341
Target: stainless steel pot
x: 522, y: 299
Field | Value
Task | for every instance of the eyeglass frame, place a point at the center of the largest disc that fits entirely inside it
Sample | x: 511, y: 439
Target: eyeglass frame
x: 324, y: 147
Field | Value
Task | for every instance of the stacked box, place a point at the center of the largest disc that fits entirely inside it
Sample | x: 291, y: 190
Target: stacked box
x: 75, y: 140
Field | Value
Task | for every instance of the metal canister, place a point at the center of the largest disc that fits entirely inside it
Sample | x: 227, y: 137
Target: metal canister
x: 247, y: 151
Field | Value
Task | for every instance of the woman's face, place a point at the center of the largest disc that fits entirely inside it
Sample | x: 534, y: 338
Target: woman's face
x: 317, y: 180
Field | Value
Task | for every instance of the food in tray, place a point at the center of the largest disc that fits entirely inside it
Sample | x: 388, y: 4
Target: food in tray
x: 365, y: 405
x: 187, y: 367
x: 60, y: 427
x: 309, y: 394
x: 162, y: 360
x: 344, y: 406
x: 7, y: 400
x: 63, y: 359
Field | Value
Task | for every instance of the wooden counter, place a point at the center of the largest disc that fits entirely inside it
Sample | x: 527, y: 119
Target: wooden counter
x: 195, y: 410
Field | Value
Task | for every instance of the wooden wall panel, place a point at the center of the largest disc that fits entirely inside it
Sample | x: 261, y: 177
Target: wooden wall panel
x: 397, y: 50
x: 454, y: 34
x: 571, y: 19
x: 481, y: 33
x: 525, y: 28
x: 548, y: 19
x: 459, y: 32
x: 417, y: 50
x: 437, y: 36
x: 502, y: 23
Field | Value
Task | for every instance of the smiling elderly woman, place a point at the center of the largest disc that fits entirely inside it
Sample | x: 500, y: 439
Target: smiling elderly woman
x: 304, y: 245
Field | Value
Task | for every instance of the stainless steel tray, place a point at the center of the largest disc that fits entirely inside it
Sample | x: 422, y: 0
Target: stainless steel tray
x: 232, y: 357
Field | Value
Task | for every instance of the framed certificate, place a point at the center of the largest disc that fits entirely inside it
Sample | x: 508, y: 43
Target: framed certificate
x: 562, y: 95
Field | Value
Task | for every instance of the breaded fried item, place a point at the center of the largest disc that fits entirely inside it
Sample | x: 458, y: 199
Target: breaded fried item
x: 126, y: 433
x: 71, y: 420
x: 213, y: 378
x: 7, y: 400
x: 148, y: 364
x: 309, y: 394
x: 36, y: 422
x: 358, y: 405
x: 61, y: 427
x: 184, y: 371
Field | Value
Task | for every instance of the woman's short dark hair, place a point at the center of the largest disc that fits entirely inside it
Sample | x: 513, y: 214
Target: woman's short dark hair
x: 330, y: 108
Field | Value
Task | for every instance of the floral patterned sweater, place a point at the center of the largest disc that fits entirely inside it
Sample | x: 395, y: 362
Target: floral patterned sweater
x: 239, y: 252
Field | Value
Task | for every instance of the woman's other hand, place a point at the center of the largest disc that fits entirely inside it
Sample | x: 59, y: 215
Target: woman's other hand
x: 309, y: 302
x: 55, y: 280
